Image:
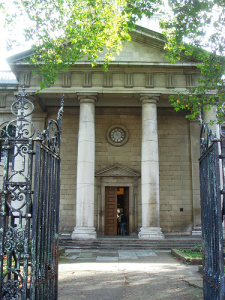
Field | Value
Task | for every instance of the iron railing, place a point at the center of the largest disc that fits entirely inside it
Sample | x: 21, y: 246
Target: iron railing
x: 29, y: 214
x: 211, y: 179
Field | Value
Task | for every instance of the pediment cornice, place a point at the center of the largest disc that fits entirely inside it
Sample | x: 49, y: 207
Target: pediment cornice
x: 117, y: 170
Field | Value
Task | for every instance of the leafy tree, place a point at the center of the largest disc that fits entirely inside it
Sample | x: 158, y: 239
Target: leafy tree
x: 64, y: 31
x: 196, y: 28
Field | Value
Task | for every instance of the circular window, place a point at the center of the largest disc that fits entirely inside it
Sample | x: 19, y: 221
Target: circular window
x: 117, y: 135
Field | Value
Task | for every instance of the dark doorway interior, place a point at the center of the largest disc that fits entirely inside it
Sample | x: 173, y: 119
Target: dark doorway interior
x: 116, y: 201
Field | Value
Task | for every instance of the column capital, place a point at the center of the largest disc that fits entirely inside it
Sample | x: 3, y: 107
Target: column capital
x: 87, y: 97
x: 149, y: 98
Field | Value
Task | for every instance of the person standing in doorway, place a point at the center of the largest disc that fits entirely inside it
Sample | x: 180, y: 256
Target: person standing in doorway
x: 123, y: 224
x: 119, y: 224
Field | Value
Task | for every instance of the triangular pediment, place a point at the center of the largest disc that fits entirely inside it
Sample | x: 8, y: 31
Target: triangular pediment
x: 146, y: 47
x: 117, y: 170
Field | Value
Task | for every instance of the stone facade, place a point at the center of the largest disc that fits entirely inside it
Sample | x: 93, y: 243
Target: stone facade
x: 175, y: 168
x: 157, y: 165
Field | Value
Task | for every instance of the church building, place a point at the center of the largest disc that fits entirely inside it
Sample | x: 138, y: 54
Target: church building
x: 123, y: 149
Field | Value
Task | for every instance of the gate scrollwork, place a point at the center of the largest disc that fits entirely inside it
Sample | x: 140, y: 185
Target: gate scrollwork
x: 29, y: 207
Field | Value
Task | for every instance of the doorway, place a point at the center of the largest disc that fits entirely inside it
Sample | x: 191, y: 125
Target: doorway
x: 116, y: 201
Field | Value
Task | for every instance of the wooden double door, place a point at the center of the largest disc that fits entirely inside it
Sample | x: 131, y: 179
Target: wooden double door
x: 116, y: 200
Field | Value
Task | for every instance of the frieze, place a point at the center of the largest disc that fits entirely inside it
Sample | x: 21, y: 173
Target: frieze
x: 112, y: 79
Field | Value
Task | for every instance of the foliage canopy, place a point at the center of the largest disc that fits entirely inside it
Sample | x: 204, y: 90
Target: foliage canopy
x: 64, y: 31
x: 196, y: 28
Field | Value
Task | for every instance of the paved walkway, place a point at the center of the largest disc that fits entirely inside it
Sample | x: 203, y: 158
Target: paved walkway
x: 126, y: 274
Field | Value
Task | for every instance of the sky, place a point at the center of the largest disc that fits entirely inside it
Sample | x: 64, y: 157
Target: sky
x: 3, y: 52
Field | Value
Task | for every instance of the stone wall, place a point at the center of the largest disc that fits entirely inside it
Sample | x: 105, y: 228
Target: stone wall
x: 128, y: 154
x: 175, y: 172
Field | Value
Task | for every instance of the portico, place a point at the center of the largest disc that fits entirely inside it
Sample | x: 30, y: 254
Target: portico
x: 84, y: 228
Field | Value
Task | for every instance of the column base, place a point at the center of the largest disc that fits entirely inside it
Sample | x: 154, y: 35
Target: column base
x: 196, y: 230
x: 151, y: 233
x: 84, y: 233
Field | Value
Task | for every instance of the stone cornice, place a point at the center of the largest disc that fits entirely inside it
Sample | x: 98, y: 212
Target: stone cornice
x: 117, y: 170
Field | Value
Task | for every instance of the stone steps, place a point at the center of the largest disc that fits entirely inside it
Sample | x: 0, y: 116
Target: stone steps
x: 126, y: 243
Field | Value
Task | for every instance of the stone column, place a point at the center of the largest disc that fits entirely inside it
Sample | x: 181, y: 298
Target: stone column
x: 195, y: 154
x: 84, y: 228
x: 210, y: 115
x: 150, y: 170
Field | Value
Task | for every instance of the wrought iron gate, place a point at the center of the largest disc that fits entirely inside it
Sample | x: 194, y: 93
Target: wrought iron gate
x: 211, y: 178
x: 29, y: 214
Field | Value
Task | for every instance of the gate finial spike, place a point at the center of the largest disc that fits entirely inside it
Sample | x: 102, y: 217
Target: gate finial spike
x: 60, y: 114
x: 62, y: 101
x: 23, y: 89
